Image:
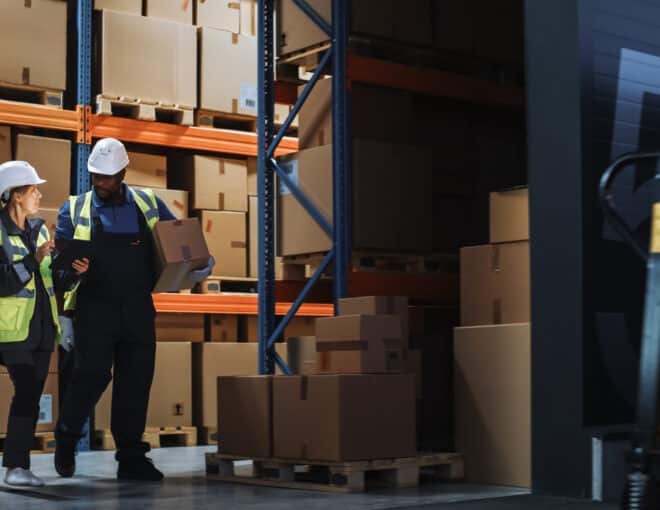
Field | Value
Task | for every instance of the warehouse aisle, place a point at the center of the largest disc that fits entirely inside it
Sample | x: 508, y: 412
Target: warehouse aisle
x: 186, y: 487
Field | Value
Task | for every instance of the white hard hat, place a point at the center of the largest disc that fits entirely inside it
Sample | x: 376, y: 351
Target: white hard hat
x: 14, y: 174
x: 109, y: 157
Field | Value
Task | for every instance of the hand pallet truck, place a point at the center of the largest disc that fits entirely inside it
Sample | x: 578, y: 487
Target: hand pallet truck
x: 641, y: 491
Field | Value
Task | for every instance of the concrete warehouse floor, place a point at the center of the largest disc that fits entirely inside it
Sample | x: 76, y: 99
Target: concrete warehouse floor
x: 186, y: 487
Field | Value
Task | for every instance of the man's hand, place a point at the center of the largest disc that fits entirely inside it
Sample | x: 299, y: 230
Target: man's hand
x: 199, y: 275
x: 67, y: 342
x: 80, y: 266
x: 44, y: 250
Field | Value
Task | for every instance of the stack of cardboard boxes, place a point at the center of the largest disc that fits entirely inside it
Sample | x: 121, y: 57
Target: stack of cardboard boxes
x: 492, y: 349
x: 337, y: 406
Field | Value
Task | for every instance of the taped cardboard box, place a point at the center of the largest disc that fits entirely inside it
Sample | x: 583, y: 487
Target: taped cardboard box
x: 52, y: 159
x: 148, y: 170
x: 220, y: 14
x: 232, y: 92
x: 129, y: 6
x: 298, y: 326
x: 344, y: 417
x: 492, y: 385
x: 359, y: 344
x: 212, y: 360
x: 249, y: 20
x: 224, y: 328
x: 180, y: 247
x: 301, y: 354
x: 5, y: 143
x: 377, y: 305
x: 180, y: 11
x: 170, y: 401
x: 252, y: 176
x: 146, y: 58
x: 225, y: 233
x: 495, y: 284
x: 253, y: 237
x: 282, y: 113
x: 214, y: 183
x: 175, y: 200
x: 509, y: 216
x: 245, y: 429
x: 29, y: 60
x: 179, y: 327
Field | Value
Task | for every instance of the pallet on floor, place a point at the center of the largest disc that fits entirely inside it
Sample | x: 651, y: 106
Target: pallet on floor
x: 342, y: 477
x: 43, y: 442
x: 207, y: 435
x: 144, y: 110
x: 157, y: 437
x: 223, y: 120
x: 229, y: 285
x: 31, y: 94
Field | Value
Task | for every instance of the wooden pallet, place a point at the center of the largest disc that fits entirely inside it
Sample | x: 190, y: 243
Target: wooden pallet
x: 31, y: 94
x: 157, y: 437
x: 222, y: 120
x: 342, y: 477
x: 208, y: 435
x: 229, y: 285
x: 144, y: 110
x: 44, y: 442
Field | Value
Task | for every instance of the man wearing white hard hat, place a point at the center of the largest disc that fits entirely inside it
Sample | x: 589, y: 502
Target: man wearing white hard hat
x: 29, y: 325
x: 114, y: 312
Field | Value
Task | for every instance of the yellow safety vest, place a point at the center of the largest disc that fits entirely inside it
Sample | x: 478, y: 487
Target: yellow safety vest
x: 16, y: 311
x: 80, y: 208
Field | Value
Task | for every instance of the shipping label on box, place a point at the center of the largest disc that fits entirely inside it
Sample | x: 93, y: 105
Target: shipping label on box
x: 249, y: 98
x: 45, y: 409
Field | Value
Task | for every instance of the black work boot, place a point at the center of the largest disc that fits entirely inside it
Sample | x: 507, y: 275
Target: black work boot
x: 65, y: 451
x: 134, y: 465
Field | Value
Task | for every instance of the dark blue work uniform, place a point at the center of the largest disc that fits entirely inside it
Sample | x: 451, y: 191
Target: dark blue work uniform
x: 114, y: 322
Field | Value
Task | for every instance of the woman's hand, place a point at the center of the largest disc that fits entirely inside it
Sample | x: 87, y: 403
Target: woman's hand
x: 80, y: 266
x: 44, y: 250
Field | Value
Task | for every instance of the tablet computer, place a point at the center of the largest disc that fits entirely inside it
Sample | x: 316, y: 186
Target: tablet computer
x: 74, y: 250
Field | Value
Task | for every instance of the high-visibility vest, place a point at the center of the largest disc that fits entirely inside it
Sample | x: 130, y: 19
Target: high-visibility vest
x: 80, y: 208
x: 16, y: 311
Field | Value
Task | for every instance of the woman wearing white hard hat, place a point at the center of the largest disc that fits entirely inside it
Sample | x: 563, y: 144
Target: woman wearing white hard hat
x: 29, y: 325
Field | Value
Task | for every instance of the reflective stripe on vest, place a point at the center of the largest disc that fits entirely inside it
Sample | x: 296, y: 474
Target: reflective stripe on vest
x: 81, y: 218
x: 16, y: 311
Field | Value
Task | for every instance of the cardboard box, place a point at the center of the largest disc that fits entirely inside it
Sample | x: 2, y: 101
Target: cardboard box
x: 221, y: 14
x: 492, y: 381
x: 377, y: 113
x: 245, y: 415
x: 224, y: 328
x: 253, y: 237
x: 170, y: 403
x: 214, y: 183
x: 495, y: 284
x: 212, y: 360
x: 146, y: 58
x: 30, y: 60
x: 179, y: 327
x: 282, y: 113
x: 249, y: 19
x: 5, y: 143
x: 377, y: 305
x: 300, y: 326
x: 301, y: 353
x: 180, y: 247
x: 180, y: 11
x: 344, y: 417
x: 509, y: 216
x: 220, y: 91
x: 252, y: 176
x: 175, y: 200
x: 129, y: 6
x: 225, y: 234
x: 359, y: 344
x: 148, y: 170
x: 52, y: 159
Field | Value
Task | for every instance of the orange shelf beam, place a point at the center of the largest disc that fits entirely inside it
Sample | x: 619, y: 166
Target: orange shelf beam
x: 34, y: 115
x: 432, y: 82
x: 183, y: 137
x: 230, y: 305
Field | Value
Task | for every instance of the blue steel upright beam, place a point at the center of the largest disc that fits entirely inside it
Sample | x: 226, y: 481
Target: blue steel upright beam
x: 84, y: 92
x: 341, y: 150
x: 266, y: 184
